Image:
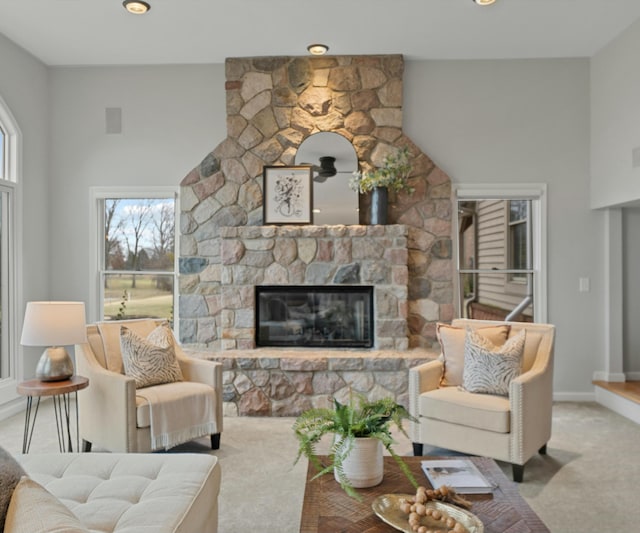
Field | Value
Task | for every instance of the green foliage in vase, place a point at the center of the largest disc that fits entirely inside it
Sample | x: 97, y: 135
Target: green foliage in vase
x: 393, y: 174
x: 358, y: 418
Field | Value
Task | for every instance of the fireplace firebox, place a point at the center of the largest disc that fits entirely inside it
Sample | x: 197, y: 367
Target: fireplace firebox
x: 330, y: 316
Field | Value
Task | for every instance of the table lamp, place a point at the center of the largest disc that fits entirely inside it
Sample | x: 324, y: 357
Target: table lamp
x: 55, y: 325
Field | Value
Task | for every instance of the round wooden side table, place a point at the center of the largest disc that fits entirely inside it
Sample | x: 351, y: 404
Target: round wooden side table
x: 60, y: 390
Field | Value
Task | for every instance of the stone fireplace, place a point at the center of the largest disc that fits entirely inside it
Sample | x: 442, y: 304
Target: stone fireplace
x: 273, y: 104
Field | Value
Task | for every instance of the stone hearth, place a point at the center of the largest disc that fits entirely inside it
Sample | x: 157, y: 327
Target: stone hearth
x: 286, y: 381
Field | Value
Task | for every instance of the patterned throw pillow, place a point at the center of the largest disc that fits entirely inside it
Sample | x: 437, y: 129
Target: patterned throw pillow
x: 451, y: 340
x: 150, y: 361
x: 488, y: 369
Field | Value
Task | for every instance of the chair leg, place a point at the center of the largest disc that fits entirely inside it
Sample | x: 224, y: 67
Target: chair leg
x: 215, y: 441
x: 86, y: 446
x: 417, y: 449
x: 518, y: 473
x: 543, y: 450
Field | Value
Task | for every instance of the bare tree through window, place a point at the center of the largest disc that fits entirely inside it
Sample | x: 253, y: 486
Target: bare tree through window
x: 139, y: 255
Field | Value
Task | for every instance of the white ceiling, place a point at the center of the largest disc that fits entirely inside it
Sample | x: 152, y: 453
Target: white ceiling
x: 101, y: 32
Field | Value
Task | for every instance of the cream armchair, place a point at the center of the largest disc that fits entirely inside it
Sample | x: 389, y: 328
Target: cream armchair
x: 510, y: 429
x: 111, y: 414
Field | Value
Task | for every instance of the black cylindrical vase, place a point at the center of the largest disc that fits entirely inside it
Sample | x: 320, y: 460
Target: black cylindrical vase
x: 379, y: 202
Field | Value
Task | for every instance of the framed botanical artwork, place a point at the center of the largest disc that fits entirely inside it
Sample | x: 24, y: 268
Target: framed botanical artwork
x: 288, y: 195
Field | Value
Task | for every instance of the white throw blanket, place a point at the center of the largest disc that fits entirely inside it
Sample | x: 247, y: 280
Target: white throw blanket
x: 177, y: 418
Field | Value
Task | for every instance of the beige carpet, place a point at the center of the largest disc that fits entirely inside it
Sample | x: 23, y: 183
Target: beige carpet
x: 587, y: 483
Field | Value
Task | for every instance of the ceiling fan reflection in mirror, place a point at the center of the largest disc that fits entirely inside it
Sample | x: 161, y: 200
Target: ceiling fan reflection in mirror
x: 327, y: 169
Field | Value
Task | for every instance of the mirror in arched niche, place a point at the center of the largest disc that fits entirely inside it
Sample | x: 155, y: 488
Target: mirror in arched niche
x: 333, y: 201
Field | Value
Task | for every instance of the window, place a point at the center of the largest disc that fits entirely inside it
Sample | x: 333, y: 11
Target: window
x: 500, y: 252
x: 5, y: 271
x: 1, y: 153
x: 137, y: 262
x: 9, y: 289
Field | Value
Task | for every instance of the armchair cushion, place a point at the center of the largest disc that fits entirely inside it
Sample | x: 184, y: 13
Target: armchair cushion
x: 481, y: 411
x: 150, y: 361
x: 452, y: 344
x: 490, y: 369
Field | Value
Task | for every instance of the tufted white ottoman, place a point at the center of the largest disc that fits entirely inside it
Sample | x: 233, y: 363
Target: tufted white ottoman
x: 133, y: 493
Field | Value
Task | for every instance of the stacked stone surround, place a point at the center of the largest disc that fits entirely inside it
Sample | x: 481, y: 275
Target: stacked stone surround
x: 273, y: 104
x: 286, y: 382
x: 313, y: 255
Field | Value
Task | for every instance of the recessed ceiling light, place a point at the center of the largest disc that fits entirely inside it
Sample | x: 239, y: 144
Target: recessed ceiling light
x: 137, y: 7
x: 318, y: 49
x: 484, y: 2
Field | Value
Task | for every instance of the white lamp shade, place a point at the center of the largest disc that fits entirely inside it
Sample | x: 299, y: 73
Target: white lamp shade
x: 53, y: 324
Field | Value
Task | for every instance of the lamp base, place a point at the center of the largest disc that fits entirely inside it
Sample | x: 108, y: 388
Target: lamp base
x: 55, y: 364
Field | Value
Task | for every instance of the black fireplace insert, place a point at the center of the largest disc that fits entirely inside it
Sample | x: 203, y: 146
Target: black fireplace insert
x: 330, y: 316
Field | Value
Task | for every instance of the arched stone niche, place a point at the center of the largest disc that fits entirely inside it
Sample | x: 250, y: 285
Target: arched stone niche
x: 273, y: 104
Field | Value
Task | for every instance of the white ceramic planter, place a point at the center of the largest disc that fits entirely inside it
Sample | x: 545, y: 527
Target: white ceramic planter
x: 364, y: 466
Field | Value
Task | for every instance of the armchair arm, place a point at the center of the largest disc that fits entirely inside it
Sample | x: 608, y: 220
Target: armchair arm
x: 203, y: 371
x: 531, y: 403
x: 422, y: 378
x: 107, y: 410
x: 199, y: 370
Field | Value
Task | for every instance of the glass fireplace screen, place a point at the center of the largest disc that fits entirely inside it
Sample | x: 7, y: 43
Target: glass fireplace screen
x: 338, y: 316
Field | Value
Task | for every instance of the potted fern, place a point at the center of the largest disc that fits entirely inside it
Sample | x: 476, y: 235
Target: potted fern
x: 361, y: 428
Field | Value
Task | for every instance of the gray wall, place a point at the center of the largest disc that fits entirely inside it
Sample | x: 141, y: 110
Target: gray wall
x: 481, y: 121
x: 631, y: 307
x: 615, y: 132
x: 484, y: 121
x: 24, y: 87
x: 615, y: 120
x: 172, y: 116
x: 525, y: 121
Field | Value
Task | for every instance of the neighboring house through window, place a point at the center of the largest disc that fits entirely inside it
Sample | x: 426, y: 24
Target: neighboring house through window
x: 501, y: 251
x: 136, y: 265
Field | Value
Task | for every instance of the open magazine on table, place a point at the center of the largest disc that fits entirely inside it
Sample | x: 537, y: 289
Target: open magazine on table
x: 460, y: 474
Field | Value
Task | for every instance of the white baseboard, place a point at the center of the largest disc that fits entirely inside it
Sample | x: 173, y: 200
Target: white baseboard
x: 613, y: 377
x: 633, y: 376
x: 11, y: 408
x: 618, y: 404
x: 574, y: 397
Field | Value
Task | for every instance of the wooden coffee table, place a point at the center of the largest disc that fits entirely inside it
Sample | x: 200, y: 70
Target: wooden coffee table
x: 327, y: 508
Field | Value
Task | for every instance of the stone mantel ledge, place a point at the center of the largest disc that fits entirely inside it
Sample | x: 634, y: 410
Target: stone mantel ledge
x: 338, y: 230
x: 302, y: 359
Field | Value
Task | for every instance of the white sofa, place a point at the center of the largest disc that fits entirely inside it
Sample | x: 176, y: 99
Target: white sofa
x: 132, y: 493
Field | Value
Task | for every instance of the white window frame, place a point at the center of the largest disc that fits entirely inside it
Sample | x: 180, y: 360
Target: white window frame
x: 516, y: 283
x: 11, y: 188
x: 537, y: 192
x: 96, y: 214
